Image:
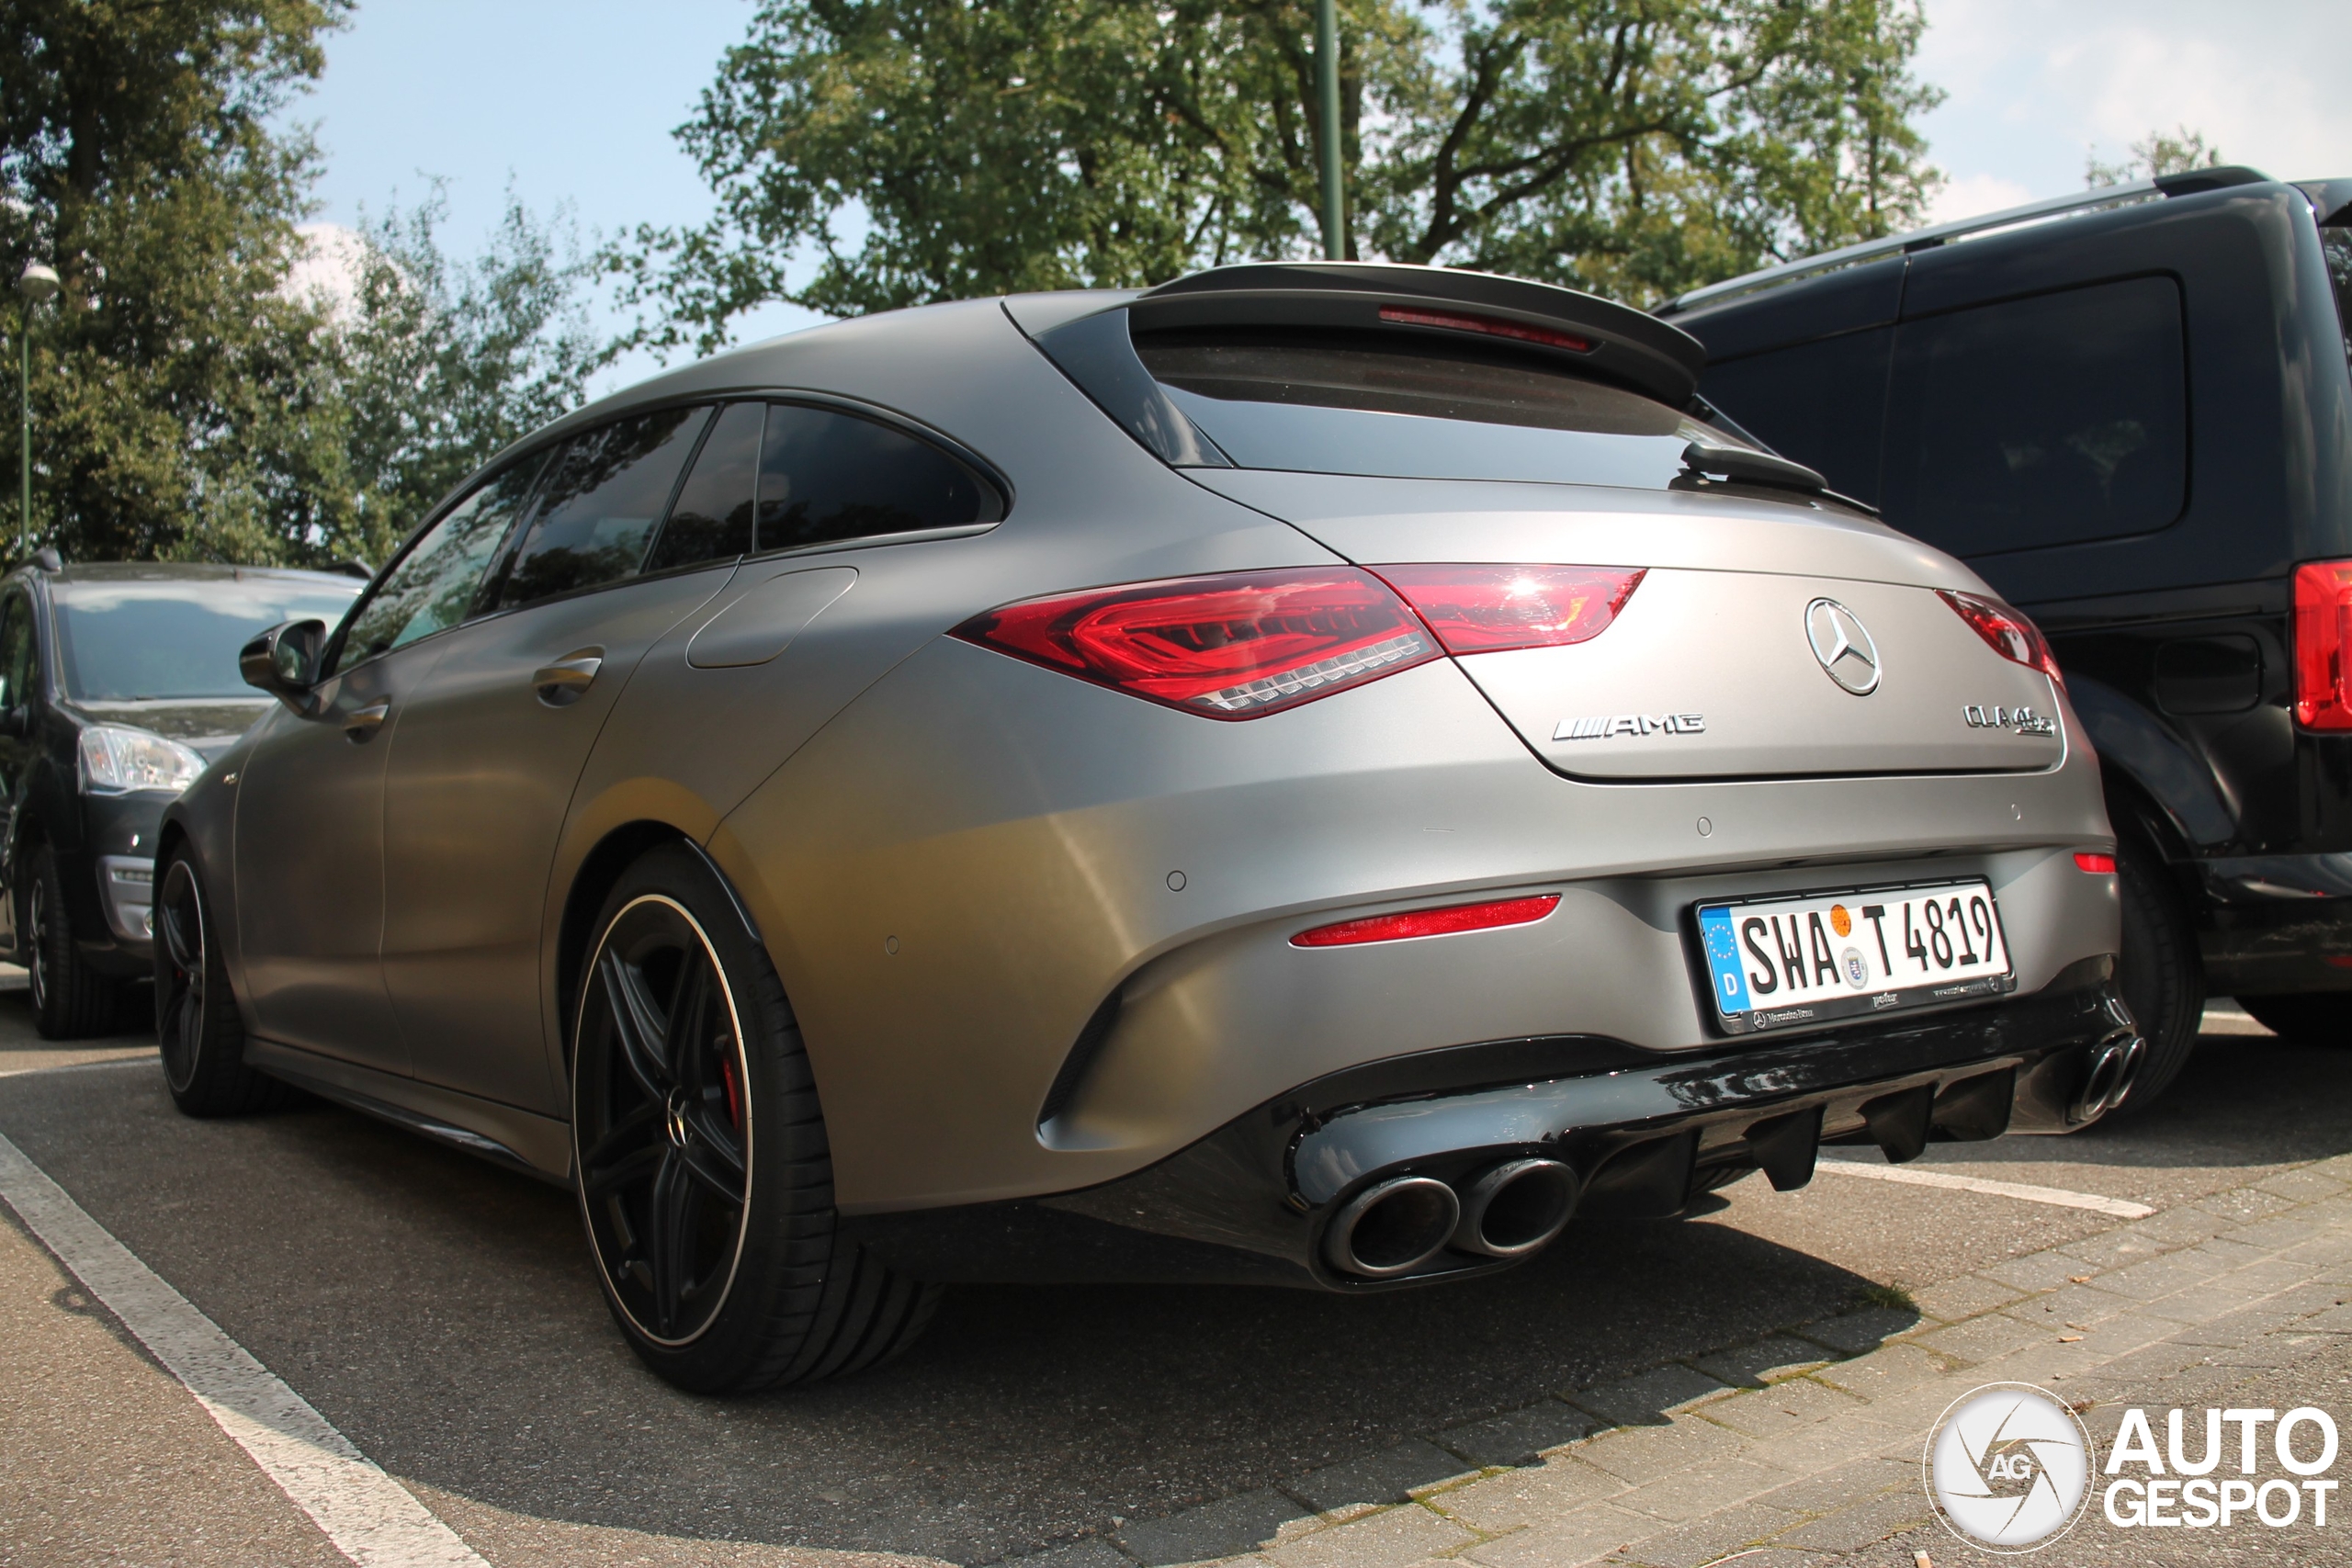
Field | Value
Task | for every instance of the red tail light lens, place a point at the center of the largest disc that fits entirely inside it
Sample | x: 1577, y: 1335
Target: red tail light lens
x: 2096, y: 864
x: 2322, y: 633
x: 2006, y: 632
x: 1229, y: 647
x: 1484, y: 609
x: 1430, y: 922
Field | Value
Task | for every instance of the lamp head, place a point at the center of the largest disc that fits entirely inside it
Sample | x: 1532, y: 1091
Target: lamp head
x: 37, y: 282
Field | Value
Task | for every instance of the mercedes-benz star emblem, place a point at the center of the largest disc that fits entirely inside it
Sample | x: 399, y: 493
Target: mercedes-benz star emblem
x: 1843, y: 646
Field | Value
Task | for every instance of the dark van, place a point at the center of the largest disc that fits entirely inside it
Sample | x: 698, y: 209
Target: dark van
x: 2130, y: 411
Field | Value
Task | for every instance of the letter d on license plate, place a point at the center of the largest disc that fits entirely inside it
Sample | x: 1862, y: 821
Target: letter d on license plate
x: 1779, y: 962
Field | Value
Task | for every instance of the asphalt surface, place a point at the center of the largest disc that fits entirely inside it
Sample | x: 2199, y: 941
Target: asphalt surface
x: 442, y: 1313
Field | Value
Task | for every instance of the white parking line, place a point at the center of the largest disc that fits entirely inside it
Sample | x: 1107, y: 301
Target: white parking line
x: 2123, y: 1208
x: 140, y: 1060
x: 368, y: 1515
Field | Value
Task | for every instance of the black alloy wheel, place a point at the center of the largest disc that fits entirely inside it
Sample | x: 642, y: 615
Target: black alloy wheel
x: 198, y: 1032
x: 699, y: 1152
x: 71, y: 1000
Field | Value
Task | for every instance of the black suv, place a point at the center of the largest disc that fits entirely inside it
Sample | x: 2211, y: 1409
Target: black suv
x: 117, y: 684
x: 2130, y: 411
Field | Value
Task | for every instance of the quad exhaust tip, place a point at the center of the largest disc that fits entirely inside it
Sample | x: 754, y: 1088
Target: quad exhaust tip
x: 1397, y: 1226
x: 1516, y: 1208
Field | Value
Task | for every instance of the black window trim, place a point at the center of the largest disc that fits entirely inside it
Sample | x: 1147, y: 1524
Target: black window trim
x: 544, y: 443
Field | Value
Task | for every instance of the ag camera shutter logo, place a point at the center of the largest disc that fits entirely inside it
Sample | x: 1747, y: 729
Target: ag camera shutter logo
x: 2009, y: 1468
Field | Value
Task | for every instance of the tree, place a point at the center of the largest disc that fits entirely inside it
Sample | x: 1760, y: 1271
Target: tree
x: 921, y: 149
x: 183, y: 402
x: 440, y: 363
x: 2158, y: 154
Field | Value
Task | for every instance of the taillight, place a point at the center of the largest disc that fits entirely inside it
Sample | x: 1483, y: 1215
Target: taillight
x: 1227, y: 647
x: 2322, y: 633
x: 1430, y: 922
x: 2006, y: 632
x: 1484, y: 609
x: 2094, y: 863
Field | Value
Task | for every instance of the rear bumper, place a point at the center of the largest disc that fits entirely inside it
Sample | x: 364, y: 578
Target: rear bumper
x: 1643, y: 1131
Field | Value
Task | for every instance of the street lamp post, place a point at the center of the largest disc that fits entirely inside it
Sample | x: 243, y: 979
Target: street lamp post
x: 1327, y: 95
x: 36, y: 283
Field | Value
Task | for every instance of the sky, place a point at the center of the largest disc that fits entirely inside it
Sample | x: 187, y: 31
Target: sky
x: 571, y: 105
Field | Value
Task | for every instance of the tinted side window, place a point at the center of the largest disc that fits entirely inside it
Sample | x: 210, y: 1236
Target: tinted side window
x: 435, y: 583
x: 1820, y: 403
x: 2335, y: 243
x: 16, y: 662
x: 2040, y: 421
x: 827, y: 476
x: 711, y: 519
x: 604, y: 493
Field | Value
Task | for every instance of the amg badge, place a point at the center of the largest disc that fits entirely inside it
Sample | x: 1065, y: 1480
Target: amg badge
x: 2025, y: 721
x: 1600, y: 726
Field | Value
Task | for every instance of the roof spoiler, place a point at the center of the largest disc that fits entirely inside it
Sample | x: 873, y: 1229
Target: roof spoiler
x: 1435, y: 303
x: 2189, y: 181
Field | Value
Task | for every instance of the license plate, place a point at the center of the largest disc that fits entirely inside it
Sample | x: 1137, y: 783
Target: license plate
x: 1783, y: 962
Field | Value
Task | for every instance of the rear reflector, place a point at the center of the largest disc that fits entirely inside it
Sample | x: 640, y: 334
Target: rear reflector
x: 1430, y: 922
x: 1491, y: 326
x: 2322, y: 633
x: 1484, y: 609
x: 2096, y: 864
x: 1228, y: 647
x: 2006, y: 632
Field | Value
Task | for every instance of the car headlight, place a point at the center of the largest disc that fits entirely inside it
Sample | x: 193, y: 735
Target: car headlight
x: 115, y: 760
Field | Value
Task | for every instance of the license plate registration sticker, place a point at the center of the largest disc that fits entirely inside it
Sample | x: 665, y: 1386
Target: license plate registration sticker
x: 1783, y: 962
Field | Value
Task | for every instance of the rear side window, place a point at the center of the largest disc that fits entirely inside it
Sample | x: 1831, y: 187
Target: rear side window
x: 1323, y: 403
x: 2336, y: 242
x: 434, y: 585
x: 596, y: 510
x: 1820, y: 403
x: 2037, y: 421
x: 711, y: 519
x: 827, y: 476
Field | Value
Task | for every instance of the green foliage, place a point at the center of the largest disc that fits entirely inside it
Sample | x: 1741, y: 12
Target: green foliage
x: 923, y: 150
x: 2157, y: 154
x: 440, y: 363
x: 189, y: 399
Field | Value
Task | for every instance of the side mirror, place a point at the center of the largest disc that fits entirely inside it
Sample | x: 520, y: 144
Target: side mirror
x: 284, y: 662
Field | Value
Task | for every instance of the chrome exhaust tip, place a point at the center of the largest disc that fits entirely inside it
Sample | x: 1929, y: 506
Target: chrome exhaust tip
x: 1516, y: 1208
x: 1392, y: 1227
x: 2115, y: 1063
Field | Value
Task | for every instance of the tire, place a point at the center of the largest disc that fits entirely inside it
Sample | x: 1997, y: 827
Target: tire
x: 2161, y: 976
x: 2319, y: 1018
x: 71, y: 1000
x: 198, y: 1029
x: 699, y: 1152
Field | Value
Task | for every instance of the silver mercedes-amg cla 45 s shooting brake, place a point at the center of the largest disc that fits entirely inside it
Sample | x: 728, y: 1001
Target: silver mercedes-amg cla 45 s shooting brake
x: 1310, y: 775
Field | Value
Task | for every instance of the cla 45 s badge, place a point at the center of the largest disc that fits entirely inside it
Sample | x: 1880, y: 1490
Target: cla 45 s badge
x: 2025, y: 721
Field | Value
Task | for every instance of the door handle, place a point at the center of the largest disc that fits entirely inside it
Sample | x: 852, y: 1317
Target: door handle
x: 561, y: 683
x: 361, y: 723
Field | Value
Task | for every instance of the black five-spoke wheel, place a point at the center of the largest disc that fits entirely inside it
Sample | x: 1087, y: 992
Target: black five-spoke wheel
x: 666, y: 1128
x: 197, y: 1028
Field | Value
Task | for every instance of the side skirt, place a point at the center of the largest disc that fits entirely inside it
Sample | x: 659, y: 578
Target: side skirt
x: 519, y: 1140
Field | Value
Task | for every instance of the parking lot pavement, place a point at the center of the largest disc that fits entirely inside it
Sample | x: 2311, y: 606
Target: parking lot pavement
x: 441, y: 1314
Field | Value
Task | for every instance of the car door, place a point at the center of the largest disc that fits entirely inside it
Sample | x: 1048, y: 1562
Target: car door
x: 309, y: 827
x: 492, y: 743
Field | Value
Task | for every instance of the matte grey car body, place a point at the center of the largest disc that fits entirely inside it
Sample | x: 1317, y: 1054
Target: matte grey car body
x: 1038, y: 933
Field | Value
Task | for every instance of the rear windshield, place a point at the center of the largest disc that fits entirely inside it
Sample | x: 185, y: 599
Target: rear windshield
x: 135, y: 641
x: 1323, y: 404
